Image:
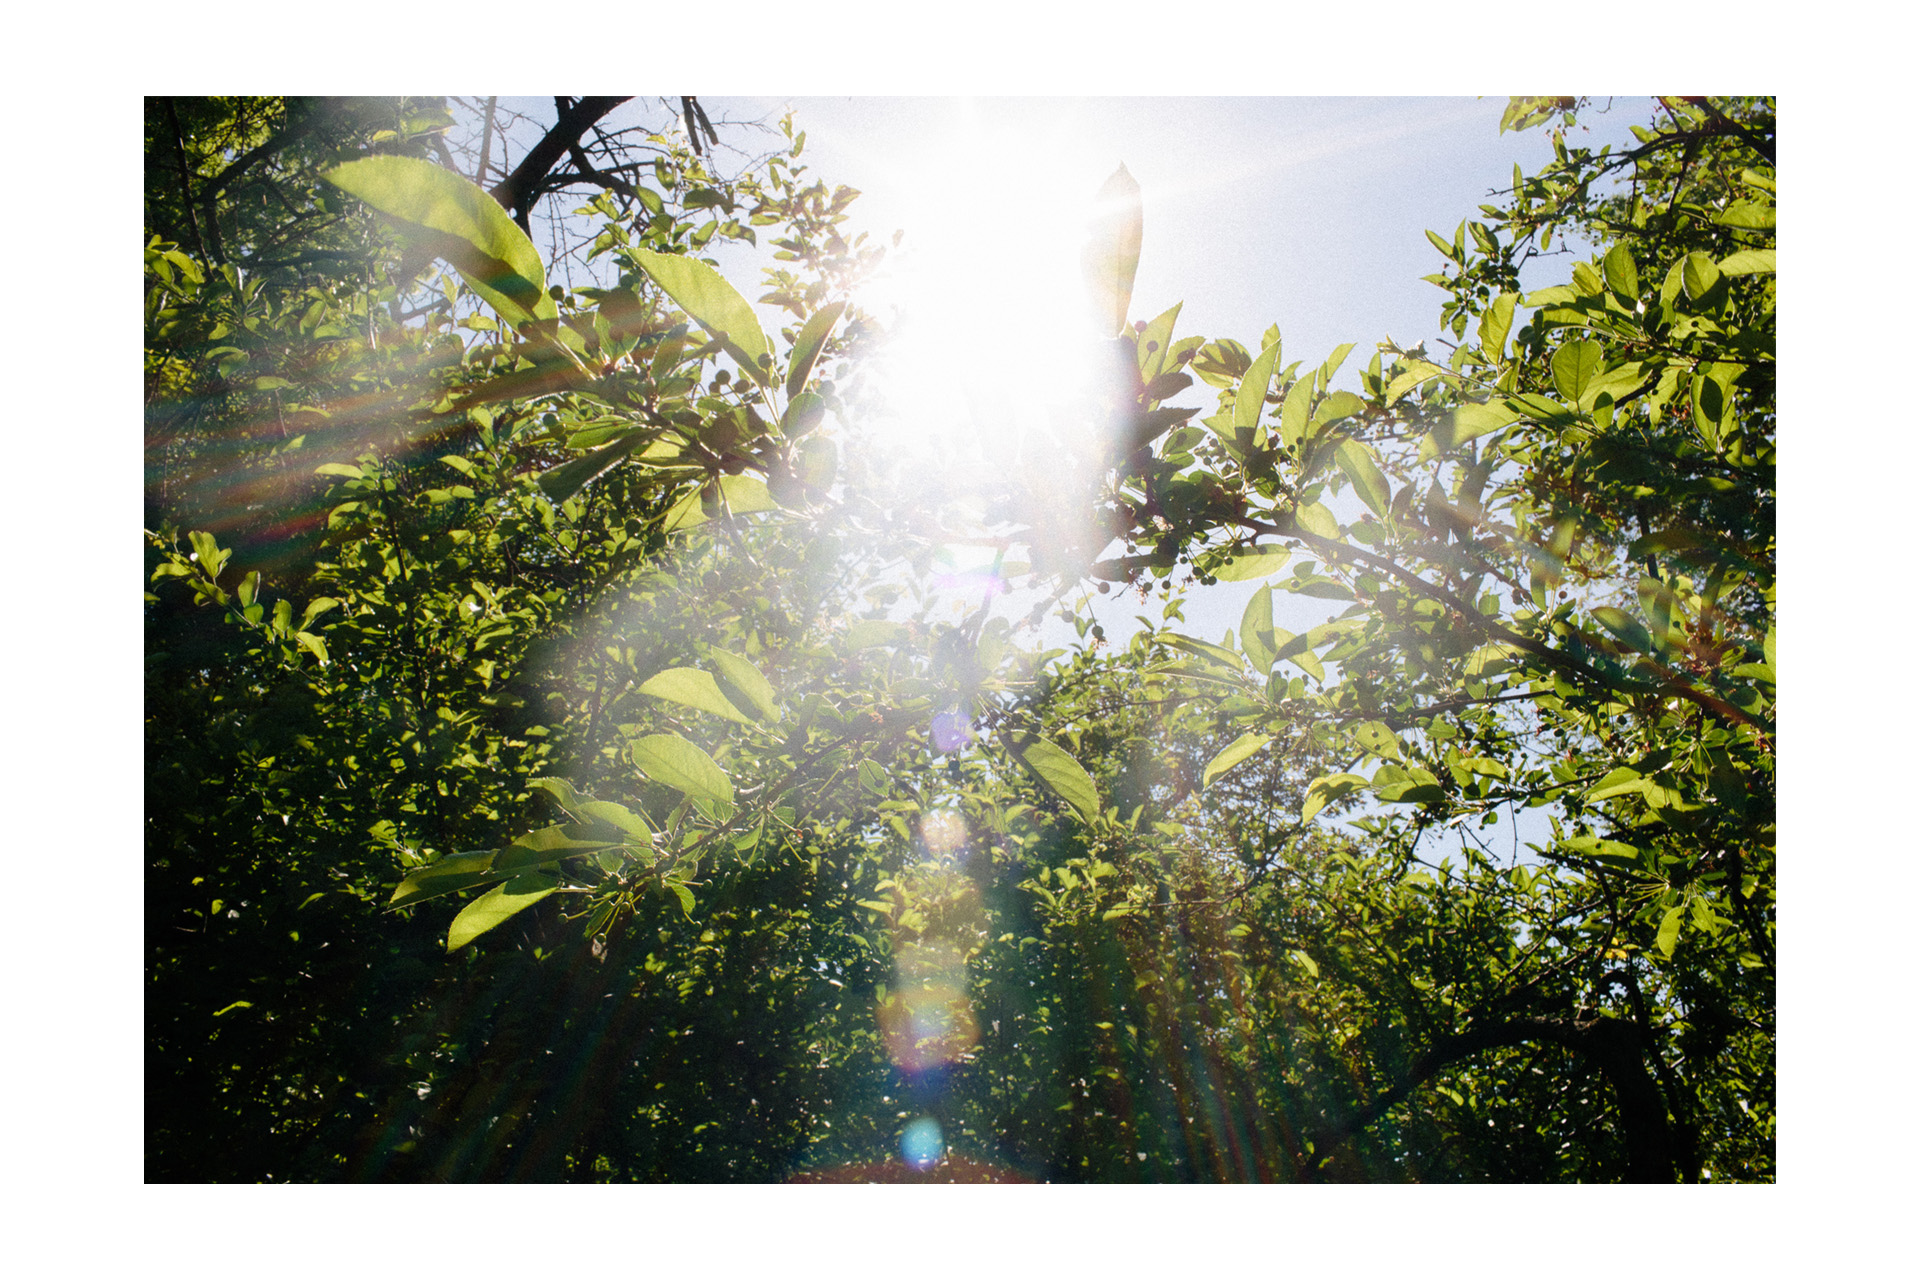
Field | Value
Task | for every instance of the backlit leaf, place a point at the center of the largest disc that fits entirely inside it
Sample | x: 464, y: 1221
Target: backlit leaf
x: 1251, y: 397
x: 1470, y: 421
x: 1315, y: 518
x: 1155, y: 344
x: 1574, y: 366
x: 1112, y: 255
x: 1699, y: 273
x: 1747, y: 215
x: 1622, y: 276
x: 1253, y: 562
x: 1337, y: 405
x: 1495, y: 323
x: 1747, y: 262
x: 1623, y: 625
x: 679, y: 764
x: 1240, y: 749
x: 498, y: 905
x: 808, y: 344
x: 1356, y: 461
x: 1374, y: 736
x: 1669, y: 933
x: 715, y: 305
x: 1256, y: 631
x: 745, y: 679
x: 1618, y: 782
x: 1063, y: 776
x: 1323, y: 791
x: 1294, y: 410
x: 458, y: 222
x: 1413, y: 375
x: 694, y: 688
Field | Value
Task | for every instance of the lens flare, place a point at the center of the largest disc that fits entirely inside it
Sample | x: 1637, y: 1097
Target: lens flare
x: 952, y: 731
x: 926, y: 1018
x: 970, y: 574
x: 921, y: 1144
x: 945, y: 832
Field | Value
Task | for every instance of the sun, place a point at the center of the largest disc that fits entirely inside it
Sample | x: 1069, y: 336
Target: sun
x: 982, y: 404
x: 992, y: 331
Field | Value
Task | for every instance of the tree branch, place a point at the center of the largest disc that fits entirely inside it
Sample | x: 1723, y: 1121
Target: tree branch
x: 518, y: 191
x: 1612, y: 1045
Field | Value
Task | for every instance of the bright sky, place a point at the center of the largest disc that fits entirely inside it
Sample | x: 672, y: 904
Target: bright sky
x: 1302, y: 212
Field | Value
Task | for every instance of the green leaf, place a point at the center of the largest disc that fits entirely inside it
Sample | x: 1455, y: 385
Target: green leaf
x: 684, y: 514
x: 744, y: 494
x: 1471, y: 421
x: 1356, y: 461
x: 1256, y: 631
x: 672, y: 760
x: 1323, y: 791
x: 816, y: 462
x: 1483, y: 766
x: 1493, y: 659
x: 1574, y: 365
x: 1748, y: 216
x: 1241, y: 748
x: 453, y: 872
x: 1376, y: 737
x: 745, y: 679
x: 1251, y: 397
x: 716, y: 306
x: 691, y: 687
x: 1315, y: 518
x: 1417, y: 372
x: 1411, y: 785
x: 1669, y: 930
x: 1620, y: 781
x: 1699, y: 274
x: 1622, y: 276
x: 808, y: 345
x: 458, y: 222
x: 1495, y: 323
x: 1623, y: 625
x: 1747, y: 262
x: 1337, y: 405
x: 1293, y: 412
x: 498, y: 905
x: 804, y: 412
x: 1253, y: 562
x: 1203, y: 649
x: 1333, y: 363
x: 633, y: 828
x: 1063, y: 776
x: 1155, y: 344
x: 874, y: 777
x: 567, y: 479
x: 548, y: 844
x: 869, y: 632
x: 1112, y: 255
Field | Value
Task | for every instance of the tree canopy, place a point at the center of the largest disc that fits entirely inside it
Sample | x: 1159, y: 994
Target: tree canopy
x: 565, y: 760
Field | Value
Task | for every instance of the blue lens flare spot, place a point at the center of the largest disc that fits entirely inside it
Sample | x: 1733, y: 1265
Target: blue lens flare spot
x: 920, y: 1145
x: 952, y: 731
